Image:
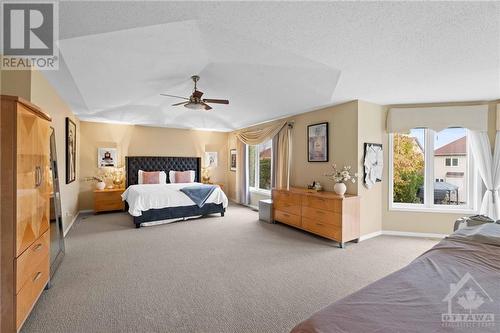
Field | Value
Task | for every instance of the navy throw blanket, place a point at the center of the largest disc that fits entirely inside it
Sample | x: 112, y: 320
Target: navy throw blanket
x: 198, y: 193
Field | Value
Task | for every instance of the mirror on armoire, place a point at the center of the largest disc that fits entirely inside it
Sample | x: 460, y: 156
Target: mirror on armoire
x: 56, y: 226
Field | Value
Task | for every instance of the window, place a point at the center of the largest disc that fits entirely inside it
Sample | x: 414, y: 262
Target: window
x: 430, y: 171
x: 260, y: 166
x: 451, y: 161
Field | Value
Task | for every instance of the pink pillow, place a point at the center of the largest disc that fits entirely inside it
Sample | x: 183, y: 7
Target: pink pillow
x: 183, y: 177
x: 151, y: 177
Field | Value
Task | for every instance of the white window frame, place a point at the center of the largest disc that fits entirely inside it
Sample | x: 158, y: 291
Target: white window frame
x: 254, y: 189
x: 474, y: 186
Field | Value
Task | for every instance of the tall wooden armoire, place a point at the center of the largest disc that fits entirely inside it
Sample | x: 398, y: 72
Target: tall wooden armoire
x: 25, y: 185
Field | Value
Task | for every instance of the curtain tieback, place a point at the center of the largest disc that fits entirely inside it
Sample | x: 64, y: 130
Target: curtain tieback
x: 493, y: 192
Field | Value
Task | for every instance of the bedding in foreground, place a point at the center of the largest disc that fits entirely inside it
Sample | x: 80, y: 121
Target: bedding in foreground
x: 156, y: 196
x: 453, y: 287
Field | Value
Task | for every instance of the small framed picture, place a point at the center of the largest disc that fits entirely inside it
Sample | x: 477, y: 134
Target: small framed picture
x: 232, y: 160
x: 107, y: 157
x: 317, y: 147
x: 70, y: 151
x: 211, y: 159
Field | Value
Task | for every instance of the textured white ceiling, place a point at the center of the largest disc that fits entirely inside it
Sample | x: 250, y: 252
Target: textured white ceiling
x: 271, y: 59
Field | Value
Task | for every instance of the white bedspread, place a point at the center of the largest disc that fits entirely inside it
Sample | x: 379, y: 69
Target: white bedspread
x: 156, y: 196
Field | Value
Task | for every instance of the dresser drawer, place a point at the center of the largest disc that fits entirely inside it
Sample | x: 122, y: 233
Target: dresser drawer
x: 28, y: 261
x: 322, y: 229
x: 287, y: 218
x: 287, y: 207
x: 322, y: 203
x: 283, y: 196
x: 29, y: 293
x: 324, y: 216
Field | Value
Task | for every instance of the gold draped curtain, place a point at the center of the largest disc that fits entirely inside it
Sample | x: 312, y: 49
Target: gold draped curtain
x: 279, y: 131
x: 256, y: 135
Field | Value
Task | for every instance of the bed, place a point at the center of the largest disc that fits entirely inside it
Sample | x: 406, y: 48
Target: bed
x: 165, y: 202
x: 455, y: 286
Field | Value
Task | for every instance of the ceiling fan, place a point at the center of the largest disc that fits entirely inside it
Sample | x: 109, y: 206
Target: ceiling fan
x: 195, y: 101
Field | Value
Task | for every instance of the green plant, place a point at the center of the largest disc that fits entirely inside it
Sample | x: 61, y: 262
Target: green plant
x: 265, y: 173
x: 408, y: 169
x: 406, y: 188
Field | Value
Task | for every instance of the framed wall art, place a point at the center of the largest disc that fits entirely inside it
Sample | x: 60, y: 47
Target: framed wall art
x: 232, y: 160
x: 107, y: 157
x: 317, y: 145
x: 70, y: 151
x: 373, y: 164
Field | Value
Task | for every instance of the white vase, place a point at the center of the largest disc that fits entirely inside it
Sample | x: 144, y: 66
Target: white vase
x: 100, y: 186
x: 340, y: 188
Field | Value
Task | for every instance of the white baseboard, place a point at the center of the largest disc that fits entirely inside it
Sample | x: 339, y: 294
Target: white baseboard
x: 76, y: 217
x: 65, y: 232
x: 413, y: 234
x: 401, y: 233
x: 370, y: 235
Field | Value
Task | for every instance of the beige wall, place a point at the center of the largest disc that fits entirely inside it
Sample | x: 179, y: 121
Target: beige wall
x: 343, y: 132
x: 146, y: 141
x: 32, y: 86
x: 232, y: 186
x: 44, y: 95
x: 371, y: 129
x: 16, y: 83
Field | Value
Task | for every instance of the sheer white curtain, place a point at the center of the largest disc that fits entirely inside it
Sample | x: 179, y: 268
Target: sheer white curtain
x: 488, y: 165
x: 242, y: 173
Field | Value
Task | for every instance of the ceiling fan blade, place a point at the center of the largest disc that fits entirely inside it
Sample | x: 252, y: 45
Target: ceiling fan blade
x: 197, y: 94
x: 218, y: 101
x: 207, y: 107
x: 175, y: 96
x: 179, y: 103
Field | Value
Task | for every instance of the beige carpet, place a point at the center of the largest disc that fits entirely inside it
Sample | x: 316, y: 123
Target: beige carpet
x: 230, y: 274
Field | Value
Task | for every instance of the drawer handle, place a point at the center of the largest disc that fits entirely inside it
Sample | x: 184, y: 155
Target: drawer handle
x: 37, y: 276
x: 319, y: 224
x: 286, y: 215
x: 320, y: 212
x: 37, y: 247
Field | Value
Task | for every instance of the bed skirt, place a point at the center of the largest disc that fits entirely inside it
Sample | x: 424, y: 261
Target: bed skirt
x: 177, y: 212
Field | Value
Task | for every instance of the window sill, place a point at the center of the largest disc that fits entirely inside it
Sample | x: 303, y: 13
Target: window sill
x: 439, y: 210
x: 260, y: 191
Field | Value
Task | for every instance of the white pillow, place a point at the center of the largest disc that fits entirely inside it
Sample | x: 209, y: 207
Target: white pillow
x: 163, y: 177
x: 171, y: 176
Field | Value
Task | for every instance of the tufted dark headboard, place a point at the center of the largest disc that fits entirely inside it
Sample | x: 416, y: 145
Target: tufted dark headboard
x: 160, y: 163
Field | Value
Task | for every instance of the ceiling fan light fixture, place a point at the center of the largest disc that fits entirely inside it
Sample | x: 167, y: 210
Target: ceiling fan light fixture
x: 194, y: 106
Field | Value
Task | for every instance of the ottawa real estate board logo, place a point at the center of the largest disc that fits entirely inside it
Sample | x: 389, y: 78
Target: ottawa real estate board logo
x: 29, y: 34
x: 469, y: 305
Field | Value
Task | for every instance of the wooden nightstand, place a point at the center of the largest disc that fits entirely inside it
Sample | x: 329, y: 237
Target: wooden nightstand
x: 108, y: 200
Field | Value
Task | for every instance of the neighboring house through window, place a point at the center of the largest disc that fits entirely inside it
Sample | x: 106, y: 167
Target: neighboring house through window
x: 431, y: 170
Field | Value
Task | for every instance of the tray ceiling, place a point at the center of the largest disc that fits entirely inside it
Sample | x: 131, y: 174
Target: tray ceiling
x: 271, y: 59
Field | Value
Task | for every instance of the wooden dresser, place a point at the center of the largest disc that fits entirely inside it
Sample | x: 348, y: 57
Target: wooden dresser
x: 108, y: 200
x: 25, y: 182
x: 322, y: 213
